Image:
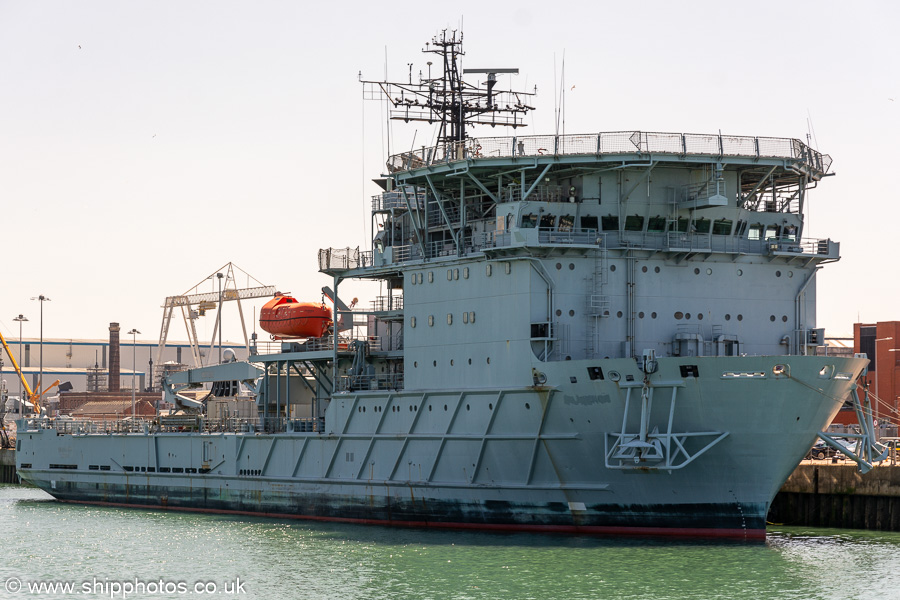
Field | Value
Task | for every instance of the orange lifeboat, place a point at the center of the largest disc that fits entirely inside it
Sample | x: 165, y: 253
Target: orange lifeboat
x: 283, y: 316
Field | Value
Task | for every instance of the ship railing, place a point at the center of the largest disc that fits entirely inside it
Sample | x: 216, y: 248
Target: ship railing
x: 387, y: 303
x: 614, y: 142
x: 343, y: 259
x: 550, y: 235
x: 381, y: 381
x: 395, y: 200
x: 438, y: 248
x: 176, y: 424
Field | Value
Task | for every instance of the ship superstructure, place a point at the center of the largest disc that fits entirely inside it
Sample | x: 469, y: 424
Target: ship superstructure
x: 605, y: 332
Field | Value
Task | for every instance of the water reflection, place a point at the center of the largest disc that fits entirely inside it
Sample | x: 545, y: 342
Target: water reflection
x: 292, y: 559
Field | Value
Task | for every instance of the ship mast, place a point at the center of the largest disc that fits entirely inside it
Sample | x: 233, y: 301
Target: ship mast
x: 448, y: 100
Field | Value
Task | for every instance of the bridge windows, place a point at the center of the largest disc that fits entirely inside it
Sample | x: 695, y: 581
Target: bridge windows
x: 634, y: 223
x: 610, y: 223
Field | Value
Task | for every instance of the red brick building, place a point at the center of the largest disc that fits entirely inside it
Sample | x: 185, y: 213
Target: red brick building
x: 881, y: 343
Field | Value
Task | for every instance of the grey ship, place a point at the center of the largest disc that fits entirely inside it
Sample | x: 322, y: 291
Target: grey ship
x: 608, y: 333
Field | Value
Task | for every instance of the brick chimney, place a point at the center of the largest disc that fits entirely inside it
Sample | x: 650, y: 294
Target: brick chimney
x: 113, y: 385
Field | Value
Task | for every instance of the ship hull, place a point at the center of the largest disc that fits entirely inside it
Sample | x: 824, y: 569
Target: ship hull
x: 554, y: 459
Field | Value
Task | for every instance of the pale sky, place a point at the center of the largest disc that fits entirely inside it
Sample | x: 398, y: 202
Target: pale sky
x: 145, y: 144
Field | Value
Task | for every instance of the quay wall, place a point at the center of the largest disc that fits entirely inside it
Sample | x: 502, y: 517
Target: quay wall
x: 837, y: 495
x: 8, y: 466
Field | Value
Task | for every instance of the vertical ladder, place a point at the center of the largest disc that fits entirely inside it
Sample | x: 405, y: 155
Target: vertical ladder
x: 597, y: 301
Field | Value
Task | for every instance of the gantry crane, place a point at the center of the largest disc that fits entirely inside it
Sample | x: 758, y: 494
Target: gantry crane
x: 207, y: 301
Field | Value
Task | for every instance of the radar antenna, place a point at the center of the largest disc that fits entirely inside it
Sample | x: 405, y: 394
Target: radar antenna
x: 448, y: 100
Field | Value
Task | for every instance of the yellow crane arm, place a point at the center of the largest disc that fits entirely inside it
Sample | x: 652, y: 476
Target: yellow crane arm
x: 16, y: 366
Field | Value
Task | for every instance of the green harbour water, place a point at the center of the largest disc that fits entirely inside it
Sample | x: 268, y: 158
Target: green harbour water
x: 246, y: 557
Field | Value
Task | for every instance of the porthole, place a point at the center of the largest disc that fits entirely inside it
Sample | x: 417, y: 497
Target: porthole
x: 699, y: 316
x: 558, y: 266
x: 687, y: 315
x: 709, y: 271
x: 449, y: 274
x: 772, y: 318
x: 612, y: 268
x: 784, y: 318
x: 456, y: 274
x: 449, y: 319
x: 420, y: 278
x: 471, y: 316
x: 790, y: 273
x: 470, y: 361
x: 488, y: 360
x: 431, y: 320
x: 445, y: 408
x: 465, y: 272
x: 641, y: 315
x: 429, y: 408
x: 412, y: 322
x: 435, y: 363
x: 653, y: 315
x: 465, y: 317
x: 415, y: 364
x: 656, y: 269
x: 571, y: 266
x: 740, y: 272
x: 696, y: 271
x: 467, y: 407
x: 619, y: 314
x: 451, y: 362
x: 412, y: 279
x: 643, y: 269
x: 571, y: 313
x: 490, y: 406
x: 430, y: 277
x: 558, y: 312
x: 777, y: 273
x: 508, y: 267
x: 679, y: 315
x: 727, y: 317
x: 740, y: 317
x: 527, y: 406
x: 487, y: 269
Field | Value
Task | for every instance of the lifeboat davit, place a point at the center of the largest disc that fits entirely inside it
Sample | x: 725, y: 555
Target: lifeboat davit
x: 283, y: 316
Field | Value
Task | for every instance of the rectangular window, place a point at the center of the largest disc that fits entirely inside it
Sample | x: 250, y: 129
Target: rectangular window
x: 634, y: 223
x: 589, y: 222
x: 755, y: 232
x: 610, y: 223
x: 529, y: 221
x: 566, y: 222
x: 656, y: 224
x: 701, y: 225
x: 867, y: 337
x: 722, y: 227
x: 547, y: 221
x: 680, y: 225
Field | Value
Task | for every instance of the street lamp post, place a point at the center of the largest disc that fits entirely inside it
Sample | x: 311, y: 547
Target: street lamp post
x: 20, y: 319
x: 42, y: 298
x: 133, y: 334
x: 875, y: 364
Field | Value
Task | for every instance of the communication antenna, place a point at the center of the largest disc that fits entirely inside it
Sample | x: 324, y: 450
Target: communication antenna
x: 445, y: 99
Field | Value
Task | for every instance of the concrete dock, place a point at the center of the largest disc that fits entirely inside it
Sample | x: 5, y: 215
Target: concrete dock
x: 823, y: 494
x: 8, y: 466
